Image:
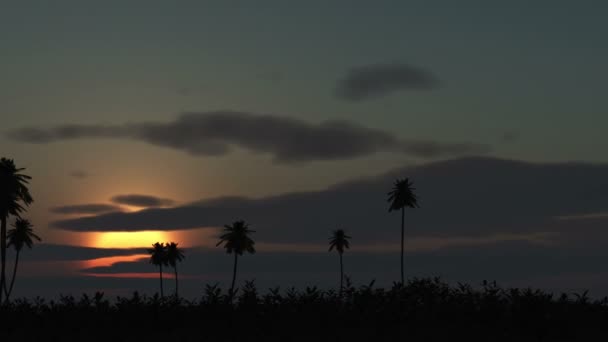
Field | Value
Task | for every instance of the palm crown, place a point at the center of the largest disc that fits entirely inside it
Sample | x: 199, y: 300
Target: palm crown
x: 13, y: 189
x: 402, y: 195
x: 236, y: 238
x: 339, y: 241
x: 21, y: 235
x: 174, y: 254
x: 158, y: 254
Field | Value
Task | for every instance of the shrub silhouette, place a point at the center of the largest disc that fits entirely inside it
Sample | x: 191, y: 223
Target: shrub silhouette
x: 420, y: 310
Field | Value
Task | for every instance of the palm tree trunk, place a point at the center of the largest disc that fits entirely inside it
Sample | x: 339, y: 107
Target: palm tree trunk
x: 402, y: 236
x: 341, y: 274
x: 233, y: 276
x: 161, y: 281
x: 10, y: 289
x: 3, y: 256
x: 176, y: 284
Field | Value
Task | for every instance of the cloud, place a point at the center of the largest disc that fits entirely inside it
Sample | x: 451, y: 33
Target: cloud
x: 466, y: 198
x: 79, y: 174
x: 85, y: 209
x: 55, y: 252
x: 378, y: 80
x: 144, y: 201
x: 285, y: 139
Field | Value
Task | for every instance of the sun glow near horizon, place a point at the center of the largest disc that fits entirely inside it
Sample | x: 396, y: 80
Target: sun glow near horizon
x: 145, y: 238
x: 132, y: 239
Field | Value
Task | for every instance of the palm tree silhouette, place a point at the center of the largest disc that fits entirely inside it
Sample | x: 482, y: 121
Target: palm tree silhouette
x: 339, y: 241
x: 174, y: 255
x: 21, y: 235
x: 400, y: 197
x: 14, y: 194
x: 158, y: 257
x: 236, y: 239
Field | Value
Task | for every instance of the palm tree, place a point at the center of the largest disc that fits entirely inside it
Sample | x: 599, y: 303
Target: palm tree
x: 339, y: 241
x: 158, y: 257
x: 21, y: 235
x: 174, y: 255
x: 236, y: 239
x: 400, y: 197
x: 14, y: 195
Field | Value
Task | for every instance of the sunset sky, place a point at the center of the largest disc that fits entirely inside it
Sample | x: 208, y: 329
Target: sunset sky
x: 144, y: 121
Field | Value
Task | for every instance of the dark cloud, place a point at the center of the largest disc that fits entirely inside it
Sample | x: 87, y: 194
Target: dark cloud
x: 79, y: 174
x: 286, y: 139
x: 144, y: 201
x: 471, y: 197
x: 378, y: 80
x: 85, y: 209
x: 54, y: 252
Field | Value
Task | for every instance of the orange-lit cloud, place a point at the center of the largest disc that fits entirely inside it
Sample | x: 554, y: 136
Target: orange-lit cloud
x: 109, y: 261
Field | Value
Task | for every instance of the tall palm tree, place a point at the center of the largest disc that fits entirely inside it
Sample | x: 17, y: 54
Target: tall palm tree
x: 339, y: 241
x: 14, y: 195
x: 158, y: 257
x: 21, y: 235
x: 236, y: 239
x: 401, y: 196
x: 174, y: 255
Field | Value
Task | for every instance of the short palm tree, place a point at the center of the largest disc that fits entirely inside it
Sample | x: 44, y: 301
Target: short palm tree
x: 174, y: 256
x: 401, y: 196
x: 158, y: 257
x: 14, y: 197
x: 236, y: 239
x: 21, y: 235
x: 339, y: 241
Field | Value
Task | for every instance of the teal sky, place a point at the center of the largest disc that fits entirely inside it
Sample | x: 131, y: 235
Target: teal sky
x: 527, y: 79
x: 534, y: 69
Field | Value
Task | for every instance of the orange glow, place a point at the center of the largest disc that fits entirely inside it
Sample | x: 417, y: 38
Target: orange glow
x: 142, y: 239
x: 109, y: 261
x: 146, y: 275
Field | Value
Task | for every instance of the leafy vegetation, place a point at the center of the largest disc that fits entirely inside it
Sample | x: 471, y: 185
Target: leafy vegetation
x: 422, y: 310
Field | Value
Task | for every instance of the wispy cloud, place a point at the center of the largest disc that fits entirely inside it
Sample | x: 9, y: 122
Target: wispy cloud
x: 378, y: 80
x: 85, y: 209
x: 285, y: 139
x: 79, y: 174
x: 143, y: 201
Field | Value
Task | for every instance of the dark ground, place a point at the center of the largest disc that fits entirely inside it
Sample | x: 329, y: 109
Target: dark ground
x: 423, y: 310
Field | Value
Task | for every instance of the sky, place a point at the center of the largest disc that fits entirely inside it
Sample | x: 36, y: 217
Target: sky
x: 145, y: 121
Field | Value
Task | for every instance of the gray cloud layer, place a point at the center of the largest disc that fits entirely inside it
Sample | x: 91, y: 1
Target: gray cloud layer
x: 144, y: 201
x: 464, y: 197
x: 378, y: 80
x: 286, y: 139
x: 85, y: 209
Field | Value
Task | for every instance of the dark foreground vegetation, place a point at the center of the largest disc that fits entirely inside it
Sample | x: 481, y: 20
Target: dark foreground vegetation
x: 422, y: 310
